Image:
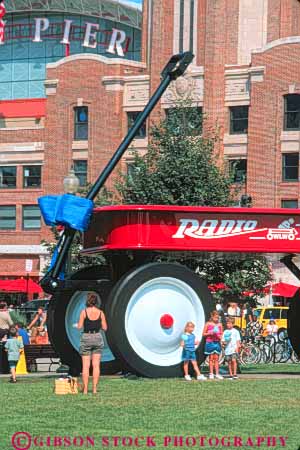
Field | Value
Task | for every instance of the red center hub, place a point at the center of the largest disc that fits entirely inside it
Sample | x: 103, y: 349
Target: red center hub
x: 166, y: 321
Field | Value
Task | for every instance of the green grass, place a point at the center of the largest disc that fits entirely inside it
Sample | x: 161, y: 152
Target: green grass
x: 154, y: 407
x: 271, y: 368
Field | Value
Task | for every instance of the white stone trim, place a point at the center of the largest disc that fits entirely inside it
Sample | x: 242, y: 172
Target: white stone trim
x: 80, y: 154
x: 22, y: 147
x: 98, y: 58
x: 257, y: 74
x: 238, y: 84
x: 252, y: 29
x: 51, y: 86
x: 277, y: 42
x: 235, y: 151
x: 235, y: 139
x: 23, y: 250
x: 136, y: 92
x: 113, y: 83
x: 80, y: 145
x: 38, y: 127
x: 290, y: 141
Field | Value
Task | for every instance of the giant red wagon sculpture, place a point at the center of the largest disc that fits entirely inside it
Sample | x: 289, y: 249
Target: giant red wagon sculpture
x: 148, y: 302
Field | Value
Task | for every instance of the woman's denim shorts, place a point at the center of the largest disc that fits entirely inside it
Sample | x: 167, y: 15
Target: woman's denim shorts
x: 91, y: 344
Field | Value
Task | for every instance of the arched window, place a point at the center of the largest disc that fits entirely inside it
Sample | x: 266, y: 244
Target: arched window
x: 292, y: 112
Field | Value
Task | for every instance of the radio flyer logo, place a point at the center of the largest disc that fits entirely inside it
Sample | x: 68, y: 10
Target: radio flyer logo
x: 227, y: 228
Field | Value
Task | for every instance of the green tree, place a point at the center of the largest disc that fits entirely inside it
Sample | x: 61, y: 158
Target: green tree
x: 179, y: 168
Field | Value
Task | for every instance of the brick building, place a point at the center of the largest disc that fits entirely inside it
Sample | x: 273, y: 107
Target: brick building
x: 68, y: 91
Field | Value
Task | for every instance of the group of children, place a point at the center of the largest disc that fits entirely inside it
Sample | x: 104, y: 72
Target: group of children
x: 216, y: 338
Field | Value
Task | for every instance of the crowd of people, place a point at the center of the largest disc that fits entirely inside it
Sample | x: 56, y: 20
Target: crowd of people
x: 254, y: 328
x: 14, y: 334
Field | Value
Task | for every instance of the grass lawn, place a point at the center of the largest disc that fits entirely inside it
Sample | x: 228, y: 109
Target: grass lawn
x: 157, y: 408
x: 271, y: 368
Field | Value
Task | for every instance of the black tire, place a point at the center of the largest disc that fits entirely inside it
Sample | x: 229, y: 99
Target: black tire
x: 294, y: 323
x: 119, y: 299
x: 56, y: 323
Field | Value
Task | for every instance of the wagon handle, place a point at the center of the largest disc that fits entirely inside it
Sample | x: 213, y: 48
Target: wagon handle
x: 175, y: 67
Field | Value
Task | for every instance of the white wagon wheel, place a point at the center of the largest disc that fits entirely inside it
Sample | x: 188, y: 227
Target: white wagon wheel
x: 148, y: 309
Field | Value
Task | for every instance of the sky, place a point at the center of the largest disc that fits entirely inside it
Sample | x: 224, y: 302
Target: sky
x: 135, y: 3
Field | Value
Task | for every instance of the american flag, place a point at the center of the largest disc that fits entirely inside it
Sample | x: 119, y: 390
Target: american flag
x: 2, y: 23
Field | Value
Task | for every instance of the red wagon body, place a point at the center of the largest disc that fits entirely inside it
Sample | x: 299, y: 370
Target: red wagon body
x: 197, y: 229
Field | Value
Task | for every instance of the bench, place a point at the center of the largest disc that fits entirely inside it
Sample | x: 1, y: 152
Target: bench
x: 36, y: 351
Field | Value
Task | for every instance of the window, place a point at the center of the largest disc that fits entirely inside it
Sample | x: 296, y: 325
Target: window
x: 7, y: 217
x: 81, y: 123
x: 292, y: 112
x: 31, y: 217
x: 239, y: 119
x: 289, y: 203
x: 290, y: 166
x: 189, y: 119
x: 80, y: 169
x: 32, y: 176
x: 8, y: 177
x: 272, y: 314
x: 284, y: 314
x: 238, y: 170
x: 131, y: 118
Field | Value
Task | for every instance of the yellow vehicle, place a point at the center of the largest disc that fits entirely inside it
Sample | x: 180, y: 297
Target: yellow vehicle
x: 278, y: 313
x: 264, y: 314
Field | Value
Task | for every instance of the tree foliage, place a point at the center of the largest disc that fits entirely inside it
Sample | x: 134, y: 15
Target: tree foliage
x: 179, y: 168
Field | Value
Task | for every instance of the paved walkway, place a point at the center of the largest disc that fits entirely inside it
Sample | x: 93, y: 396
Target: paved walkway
x: 246, y: 376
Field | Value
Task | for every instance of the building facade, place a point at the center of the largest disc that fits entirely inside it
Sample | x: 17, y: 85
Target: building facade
x: 74, y: 75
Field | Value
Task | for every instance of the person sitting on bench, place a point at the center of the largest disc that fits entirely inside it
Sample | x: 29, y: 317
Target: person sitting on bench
x: 37, y: 324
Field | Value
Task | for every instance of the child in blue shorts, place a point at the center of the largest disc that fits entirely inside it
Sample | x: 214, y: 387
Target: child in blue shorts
x: 13, y: 347
x: 189, y: 343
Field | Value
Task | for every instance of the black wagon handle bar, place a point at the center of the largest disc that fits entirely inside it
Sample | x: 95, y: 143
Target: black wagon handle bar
x: 175, y: 67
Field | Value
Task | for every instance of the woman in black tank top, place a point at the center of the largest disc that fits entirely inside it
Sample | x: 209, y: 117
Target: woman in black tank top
x: 92, y: 320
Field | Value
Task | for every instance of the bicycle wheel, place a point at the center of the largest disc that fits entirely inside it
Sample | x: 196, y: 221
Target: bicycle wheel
x: 268, y: 353
x: 294, y: 357
x: 280, y: 353
x: 249, y: 354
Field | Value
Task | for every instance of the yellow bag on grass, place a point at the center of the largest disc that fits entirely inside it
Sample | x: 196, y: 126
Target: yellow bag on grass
x: 65, y: 386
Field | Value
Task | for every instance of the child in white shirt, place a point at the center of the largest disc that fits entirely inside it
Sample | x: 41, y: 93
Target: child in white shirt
x: 231, y: 340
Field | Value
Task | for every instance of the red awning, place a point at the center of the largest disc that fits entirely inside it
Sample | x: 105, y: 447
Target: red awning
x: 20, y: 285
x: 284, y: 290
x: 23, y: 108
x: 217, y: 287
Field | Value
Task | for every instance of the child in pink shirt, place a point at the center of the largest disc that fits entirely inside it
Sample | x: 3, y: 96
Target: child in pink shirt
x: 213, y: 331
